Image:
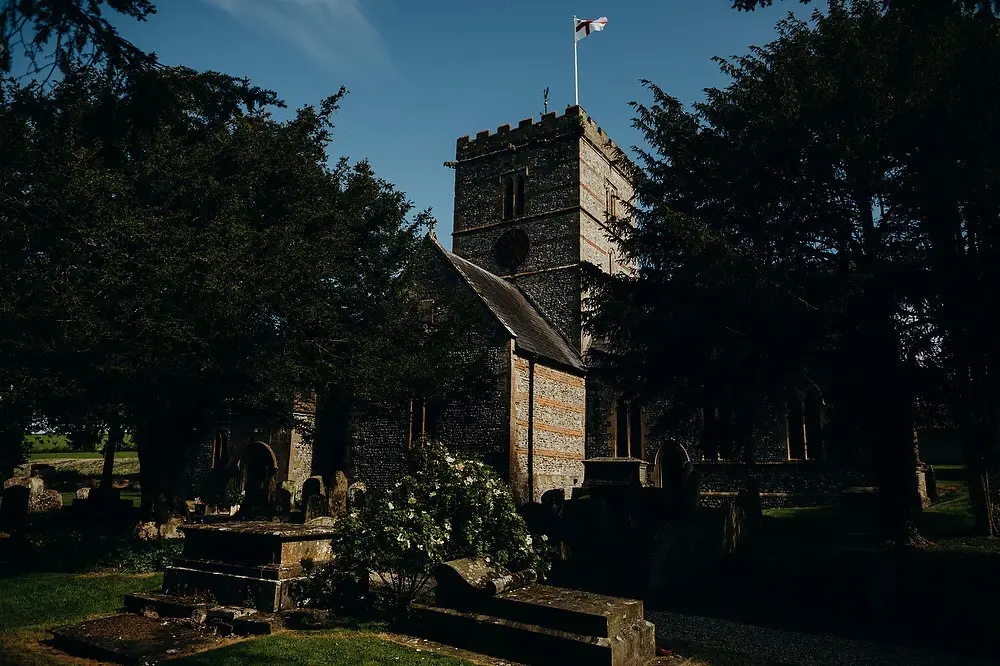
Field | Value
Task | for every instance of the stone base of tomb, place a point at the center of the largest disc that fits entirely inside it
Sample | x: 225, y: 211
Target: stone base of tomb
x: 130, y: 639
x: 232, y: 579
x: 258, y: 565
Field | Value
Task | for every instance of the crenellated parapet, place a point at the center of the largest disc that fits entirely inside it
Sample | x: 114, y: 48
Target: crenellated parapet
x: 573, y: 122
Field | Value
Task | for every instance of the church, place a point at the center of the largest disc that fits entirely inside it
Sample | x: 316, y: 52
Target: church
x: 533, y: 204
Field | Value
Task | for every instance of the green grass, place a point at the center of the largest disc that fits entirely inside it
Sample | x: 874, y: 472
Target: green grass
x: 80, y: 468
x: 30, y: 603
x: 825, y: 570
x: 48, y: 599
x: 78, y: 455
x: 323, y: 649
x: 69, y: 496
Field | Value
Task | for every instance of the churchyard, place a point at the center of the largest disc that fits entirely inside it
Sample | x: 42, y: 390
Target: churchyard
x: 723, y: 397
x: 820, y: 570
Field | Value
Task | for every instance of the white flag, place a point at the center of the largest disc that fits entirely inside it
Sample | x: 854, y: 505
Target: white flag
x: 585, y: 26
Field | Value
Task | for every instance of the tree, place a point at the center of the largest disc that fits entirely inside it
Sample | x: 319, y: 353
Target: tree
x: 196, y: 261
x: 768, y: 205
x: 982, y: 7
x: 83, y: 36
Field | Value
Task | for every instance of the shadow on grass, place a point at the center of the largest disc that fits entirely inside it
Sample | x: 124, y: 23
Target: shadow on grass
x: 824, y: 570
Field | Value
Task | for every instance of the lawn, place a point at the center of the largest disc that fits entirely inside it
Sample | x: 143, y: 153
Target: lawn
x: 824, y: 570
x: 47, y: 599
x: 322, y: 648
x: 32, y: 603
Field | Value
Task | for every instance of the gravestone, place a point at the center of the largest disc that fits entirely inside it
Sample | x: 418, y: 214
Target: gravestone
x: 481, y: 607
x: 14, y: 506
x: 356, y: 496
x: 46, y: 500
x: 34, y: 484
x: 43, y: 471
x: 317, y: 506
x: 311, y: 486
x: 282, y: 502
x: 338, y: 495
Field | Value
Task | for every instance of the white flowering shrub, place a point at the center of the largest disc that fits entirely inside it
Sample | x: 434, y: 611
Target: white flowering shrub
x: 444, y: 509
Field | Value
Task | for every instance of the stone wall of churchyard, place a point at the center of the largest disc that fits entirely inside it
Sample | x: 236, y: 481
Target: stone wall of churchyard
x: 559, y: 424
x: 781, y: 483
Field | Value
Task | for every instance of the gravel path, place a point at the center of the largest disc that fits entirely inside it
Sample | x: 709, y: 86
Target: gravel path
x: 692, y: 634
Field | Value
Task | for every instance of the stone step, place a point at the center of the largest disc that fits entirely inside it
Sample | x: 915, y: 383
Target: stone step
x: 224, y: 620
x: 531, y: 644
x: 157, y: 604
x: 563, y: 609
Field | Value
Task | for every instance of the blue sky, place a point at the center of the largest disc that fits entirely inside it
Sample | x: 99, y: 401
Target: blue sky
x: 421, y: 75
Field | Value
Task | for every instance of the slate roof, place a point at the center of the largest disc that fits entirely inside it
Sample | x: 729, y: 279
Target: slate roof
x: 509, y: 305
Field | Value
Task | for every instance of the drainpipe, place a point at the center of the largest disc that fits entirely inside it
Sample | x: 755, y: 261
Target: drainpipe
x: 531, y: 429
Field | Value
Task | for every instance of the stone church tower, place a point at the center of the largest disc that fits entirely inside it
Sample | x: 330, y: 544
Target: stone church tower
x: 532, y: 202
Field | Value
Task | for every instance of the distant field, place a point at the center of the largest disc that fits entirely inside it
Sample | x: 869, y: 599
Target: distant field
x: 45, y: 443
x: 79, y: 455
x: 74, y: 470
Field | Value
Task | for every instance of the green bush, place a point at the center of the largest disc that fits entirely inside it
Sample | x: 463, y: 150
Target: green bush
x: 444, y: 509
x: 60, y: 548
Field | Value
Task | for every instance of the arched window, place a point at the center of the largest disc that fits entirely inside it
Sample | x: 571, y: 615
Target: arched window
x: 513, y: 195
x: 220, y: 450
x: 627, y: 429
x: 423, y: 420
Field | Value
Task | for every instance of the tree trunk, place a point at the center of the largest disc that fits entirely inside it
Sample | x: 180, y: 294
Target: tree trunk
x: 115, y: 436
x: 164, y: 442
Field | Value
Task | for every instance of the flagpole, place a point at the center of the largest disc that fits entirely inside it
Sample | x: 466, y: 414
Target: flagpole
x: 576, y: 67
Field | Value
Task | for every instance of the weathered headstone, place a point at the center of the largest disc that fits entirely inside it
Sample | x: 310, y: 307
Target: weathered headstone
x: 282, y: 502
x: 34, y: 484
x: 932, y: 492
x: 14, y: 506
x: 43, y: 471
x: 338, y: 495
x: 356, y: 496
x: 692, y: 490
x: 925, y: 499
x: 150, y: 530
x: 46, y: 500
x: 317, y: 506
x: 312, y: 486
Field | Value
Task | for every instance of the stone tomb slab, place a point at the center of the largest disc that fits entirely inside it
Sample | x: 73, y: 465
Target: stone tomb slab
x: 257, y: 543
x: 531, y: 623
x: 131, y: 639
x: 254, y: 564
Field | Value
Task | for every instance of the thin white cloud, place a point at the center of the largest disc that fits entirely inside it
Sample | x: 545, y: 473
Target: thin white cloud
x: 334, y: 33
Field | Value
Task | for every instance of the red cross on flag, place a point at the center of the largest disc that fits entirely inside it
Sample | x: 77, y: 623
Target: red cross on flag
x: 585, y: 26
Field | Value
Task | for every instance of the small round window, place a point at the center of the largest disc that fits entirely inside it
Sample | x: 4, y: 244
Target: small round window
x: 511, y: 249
